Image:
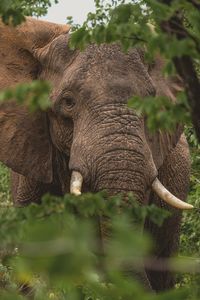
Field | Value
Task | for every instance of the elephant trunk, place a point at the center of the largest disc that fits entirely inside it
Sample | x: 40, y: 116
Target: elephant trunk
x: 111, y: 153
x: 120, y: 174
x: 117, y: 170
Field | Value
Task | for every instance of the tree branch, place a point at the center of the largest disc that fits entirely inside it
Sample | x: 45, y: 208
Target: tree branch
x: 185, y: 66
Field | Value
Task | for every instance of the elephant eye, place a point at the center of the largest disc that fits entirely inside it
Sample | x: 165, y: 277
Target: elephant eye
x: 69, y: 102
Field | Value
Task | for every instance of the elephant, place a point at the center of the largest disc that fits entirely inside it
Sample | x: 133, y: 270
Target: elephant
x: 89, y: 140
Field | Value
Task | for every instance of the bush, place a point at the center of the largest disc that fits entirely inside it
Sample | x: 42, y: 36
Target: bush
x: 52, y: 250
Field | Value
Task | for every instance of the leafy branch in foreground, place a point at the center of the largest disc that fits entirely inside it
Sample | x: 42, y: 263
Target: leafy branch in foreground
x: 35, y: 95
x: 56, y: 249
x: 85, y: 206
x: 161, y: 112
x: 14, y: 11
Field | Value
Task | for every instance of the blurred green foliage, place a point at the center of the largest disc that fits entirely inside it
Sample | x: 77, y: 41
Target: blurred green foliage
x: 54, y: 250
x: 34, y: 95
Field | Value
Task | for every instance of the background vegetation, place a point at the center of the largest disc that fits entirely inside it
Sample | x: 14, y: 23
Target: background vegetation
x: 52, y: 251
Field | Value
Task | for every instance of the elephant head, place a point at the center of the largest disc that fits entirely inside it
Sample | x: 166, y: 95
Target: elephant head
x: 89, y: 134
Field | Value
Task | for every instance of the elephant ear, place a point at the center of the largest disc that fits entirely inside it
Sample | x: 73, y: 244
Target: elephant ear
x: 162, y: 142
x: 25, y: 145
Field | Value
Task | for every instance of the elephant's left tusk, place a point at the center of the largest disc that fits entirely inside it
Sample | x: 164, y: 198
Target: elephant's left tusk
x: 76, y: 183
x: 168, y: 197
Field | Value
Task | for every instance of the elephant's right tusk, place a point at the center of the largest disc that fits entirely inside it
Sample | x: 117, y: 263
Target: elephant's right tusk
x: 76, y: 183
x: 168, y: 197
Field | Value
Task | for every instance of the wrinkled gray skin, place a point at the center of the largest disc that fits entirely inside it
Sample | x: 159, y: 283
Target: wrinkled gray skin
x: 90, y: 129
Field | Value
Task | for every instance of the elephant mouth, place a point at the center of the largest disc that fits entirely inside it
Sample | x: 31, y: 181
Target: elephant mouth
x: 77, y: 182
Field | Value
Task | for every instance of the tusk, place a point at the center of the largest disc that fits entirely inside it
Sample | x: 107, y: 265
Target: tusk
x: 168, y: 197
x: 76, y: 183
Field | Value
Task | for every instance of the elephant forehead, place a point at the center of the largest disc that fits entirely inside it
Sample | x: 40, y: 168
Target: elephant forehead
x: 104, y: 60
x: 106, y: 52
x: 106, y: 68
x: 109, y: 70
x: 104, y: 57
